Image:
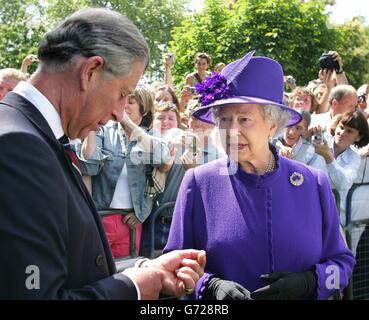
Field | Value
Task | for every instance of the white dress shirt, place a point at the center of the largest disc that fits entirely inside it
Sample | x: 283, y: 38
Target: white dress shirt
x: 52, y: 117
x: 342, y: 172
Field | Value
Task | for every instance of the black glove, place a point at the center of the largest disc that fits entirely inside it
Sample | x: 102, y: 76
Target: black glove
x: 287, y: 286
x: 218, y: 289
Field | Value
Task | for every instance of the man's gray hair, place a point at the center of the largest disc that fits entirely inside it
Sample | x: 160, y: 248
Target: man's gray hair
x: 94, y: 32
x: 341, y: 91
x: 271, y: 113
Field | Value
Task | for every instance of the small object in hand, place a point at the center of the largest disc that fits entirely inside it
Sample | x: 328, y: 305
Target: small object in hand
x: 188, y: 291
x: 291, y: 80
x: 317, y: 138
x: 326, y: 61
x: 171, y: 57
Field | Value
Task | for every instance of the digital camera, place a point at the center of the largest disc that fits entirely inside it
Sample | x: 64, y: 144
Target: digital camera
x: 326, y: 62
x: 317, y: 138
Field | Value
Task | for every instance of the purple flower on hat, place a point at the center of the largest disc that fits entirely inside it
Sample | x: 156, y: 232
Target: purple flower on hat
x: 213, y: 88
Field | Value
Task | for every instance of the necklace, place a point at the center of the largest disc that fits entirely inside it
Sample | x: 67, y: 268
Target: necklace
x: 271, y: 163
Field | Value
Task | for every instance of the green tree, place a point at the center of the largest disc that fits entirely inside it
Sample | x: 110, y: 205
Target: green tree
x: 291, y: 31
x: 24, y: 22
x: 155, y: 19
x: 354, y: 50
x: 201, y: 32
x: 21, y: 26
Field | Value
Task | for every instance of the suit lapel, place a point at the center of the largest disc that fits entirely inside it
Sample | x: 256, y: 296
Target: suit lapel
x: 32, y: 114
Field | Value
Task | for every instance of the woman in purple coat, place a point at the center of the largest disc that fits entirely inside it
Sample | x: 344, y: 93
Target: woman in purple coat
x: 269, y: 224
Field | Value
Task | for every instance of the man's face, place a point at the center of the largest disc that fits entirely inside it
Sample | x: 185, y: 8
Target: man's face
x: 6, y: 85
x: 104, y: 100
x: 346, y: 104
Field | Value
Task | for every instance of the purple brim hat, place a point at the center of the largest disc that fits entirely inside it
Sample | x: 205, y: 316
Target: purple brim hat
x: 250, y: 80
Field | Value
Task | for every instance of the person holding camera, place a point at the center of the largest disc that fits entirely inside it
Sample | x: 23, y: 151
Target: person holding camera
x: 330, y: 74
x: 202, y: 62
x: 332, y: 61
x: 362, y: 99
x: 27, y: 61
x: 342, y: 161
x: 342, y: 98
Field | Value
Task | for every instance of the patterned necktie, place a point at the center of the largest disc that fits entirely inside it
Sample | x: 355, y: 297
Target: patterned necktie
x: 70, y: 153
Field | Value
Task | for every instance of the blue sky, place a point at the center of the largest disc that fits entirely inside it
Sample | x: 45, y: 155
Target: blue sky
x: 343, y: 9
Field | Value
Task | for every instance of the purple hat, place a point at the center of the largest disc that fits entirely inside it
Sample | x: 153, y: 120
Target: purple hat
x: 250, y: 80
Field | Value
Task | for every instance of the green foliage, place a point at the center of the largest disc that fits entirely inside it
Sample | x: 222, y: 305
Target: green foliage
x: 202, y: 32
x: 19, y: 37
x: 294, y: 32
x: 354, y: 50
x: 290, y: 31
x: 20, y: 30
x: 155, y: 19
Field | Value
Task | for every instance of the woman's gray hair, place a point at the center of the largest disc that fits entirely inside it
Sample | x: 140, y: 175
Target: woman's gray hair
x: 94, y: 32
x: 271, y: 113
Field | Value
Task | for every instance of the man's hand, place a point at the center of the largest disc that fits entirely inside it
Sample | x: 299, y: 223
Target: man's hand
x: 181, y: 270
x: 149, y: 281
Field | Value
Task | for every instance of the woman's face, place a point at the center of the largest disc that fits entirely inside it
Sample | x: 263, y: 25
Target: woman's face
x: 133, y: 110
x: 165, y: 120
x: 162, y: 96
x: 302, y: 102
x: 319, y: 91
x: 201, y: 65
x: 292, y: 134
x: 247, y: 132
x: 345, y: 136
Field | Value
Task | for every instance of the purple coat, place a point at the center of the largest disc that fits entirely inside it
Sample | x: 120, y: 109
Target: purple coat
x: 251, y: 225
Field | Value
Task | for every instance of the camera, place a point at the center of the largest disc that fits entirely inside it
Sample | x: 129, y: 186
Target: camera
x: 290, y: 80
x: 326, y: 62
x: 170, y: 56
x: 317, y: 138
x: 361, y: 98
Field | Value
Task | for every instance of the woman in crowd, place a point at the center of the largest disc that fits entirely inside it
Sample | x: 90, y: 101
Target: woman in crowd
x: 118, y: 157
x: 166, y: 125
x: 202, y: 62
x: 302, y: 98
x: 342, y: 161
x: 269, y: 224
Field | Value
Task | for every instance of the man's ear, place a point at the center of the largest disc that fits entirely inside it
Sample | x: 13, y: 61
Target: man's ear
x: 334, y: 103
x: 89, y: 70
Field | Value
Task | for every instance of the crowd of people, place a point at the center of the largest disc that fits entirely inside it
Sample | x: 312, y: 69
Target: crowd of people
x: 249, y: 158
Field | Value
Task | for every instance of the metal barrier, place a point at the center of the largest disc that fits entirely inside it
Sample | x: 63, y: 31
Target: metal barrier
x: 132, y: 249
x: 357, y: 237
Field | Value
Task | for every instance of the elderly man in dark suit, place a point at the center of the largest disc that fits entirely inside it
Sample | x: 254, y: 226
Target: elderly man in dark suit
x: 51, y: 238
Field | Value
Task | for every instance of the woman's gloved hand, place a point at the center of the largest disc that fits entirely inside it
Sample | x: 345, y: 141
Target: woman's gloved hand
x: 287, y: 286
x: 218, y: 289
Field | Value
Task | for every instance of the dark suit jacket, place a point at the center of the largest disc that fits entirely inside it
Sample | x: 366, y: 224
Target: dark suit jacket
x: 47, y: 218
